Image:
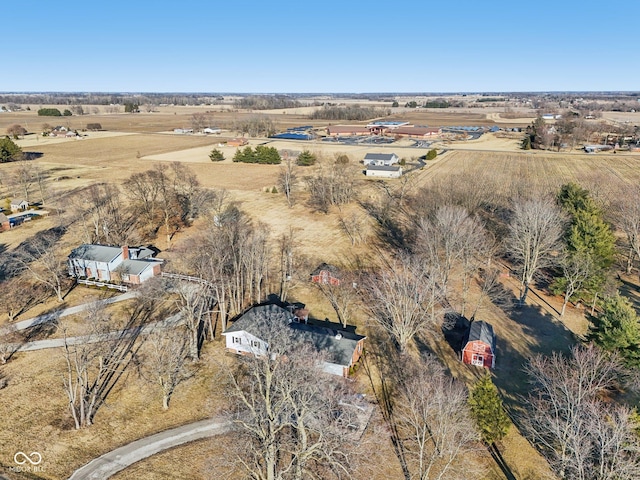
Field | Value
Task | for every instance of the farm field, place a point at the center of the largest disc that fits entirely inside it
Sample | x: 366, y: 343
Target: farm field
x: 488, y: 165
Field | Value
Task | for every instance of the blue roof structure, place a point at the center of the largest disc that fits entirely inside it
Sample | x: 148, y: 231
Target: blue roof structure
x: 292, y: 136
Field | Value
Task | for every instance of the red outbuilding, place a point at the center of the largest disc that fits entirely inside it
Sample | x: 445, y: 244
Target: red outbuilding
x: 479, y: 345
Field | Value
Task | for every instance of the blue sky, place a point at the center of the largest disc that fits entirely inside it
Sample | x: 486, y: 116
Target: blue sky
x: 327, y: 46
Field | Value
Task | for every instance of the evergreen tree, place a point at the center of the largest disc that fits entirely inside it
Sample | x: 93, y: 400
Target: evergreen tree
x: 245, y: 155
x: 267, y: 155
x: 526, y: 142
x: 617, y: 328
x: 9, y: 151
x: 216, y: 155
x: 306, y: 158
x: 486, y: 408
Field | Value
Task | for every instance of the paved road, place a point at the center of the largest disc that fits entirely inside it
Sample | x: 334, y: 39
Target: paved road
x: 169, y: 322
x: 112, y: 462
x: 51, y: 316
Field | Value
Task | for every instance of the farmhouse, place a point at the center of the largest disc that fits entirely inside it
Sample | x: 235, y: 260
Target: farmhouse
x: 4, y: 222
x: 18, y: 205
x: 248, y: 336
x: 386, y: 159
x: 326, y: 274
x: 133, y: 265
x: 479, y: 345
x: 382, y: 171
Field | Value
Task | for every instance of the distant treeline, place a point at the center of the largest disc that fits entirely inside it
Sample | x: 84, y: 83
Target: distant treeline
x: 354, y: 112
x: 109, y: 99
x: 267, y: 102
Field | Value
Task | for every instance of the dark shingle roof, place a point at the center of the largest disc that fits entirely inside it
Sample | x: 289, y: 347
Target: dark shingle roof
x: 338, y: 345
x: 329, y: 268
x: 483, y: 332
x: 379, y: 156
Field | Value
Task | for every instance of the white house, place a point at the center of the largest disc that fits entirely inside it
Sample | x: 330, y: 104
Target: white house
x: 212, y: 130
x: 382, y: 171
x: 381, y: 159
x: 133, y: 265
x: 341, y: 348
x: 19, y: 205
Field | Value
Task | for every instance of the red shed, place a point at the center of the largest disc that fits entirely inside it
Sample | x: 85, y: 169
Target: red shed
x: 480, y: 345
x: 326, y: 274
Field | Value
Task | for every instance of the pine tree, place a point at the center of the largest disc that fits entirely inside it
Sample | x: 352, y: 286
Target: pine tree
x: 486, y: 408
x: 617, y: 328
x: 216, y: 155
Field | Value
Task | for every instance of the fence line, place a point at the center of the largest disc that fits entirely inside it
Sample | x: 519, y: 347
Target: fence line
x: 122, y: 288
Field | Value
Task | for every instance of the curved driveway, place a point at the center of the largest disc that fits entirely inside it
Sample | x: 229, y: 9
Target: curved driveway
x: 112, y: 462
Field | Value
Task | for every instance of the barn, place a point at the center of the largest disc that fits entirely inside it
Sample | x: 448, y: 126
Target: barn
x: 479, y: 345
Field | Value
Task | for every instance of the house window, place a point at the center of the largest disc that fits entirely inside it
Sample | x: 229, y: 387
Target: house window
x: 237, y: 340
x: 477, y: 360
x: 255, y: 344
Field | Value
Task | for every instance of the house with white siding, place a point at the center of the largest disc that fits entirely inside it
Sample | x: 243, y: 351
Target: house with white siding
x: 380, y: 159
x: 340, y: 348
x: 382, y: 171
x: 131, y: 265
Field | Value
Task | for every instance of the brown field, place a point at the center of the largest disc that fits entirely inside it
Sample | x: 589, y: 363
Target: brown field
x: 34, y: 396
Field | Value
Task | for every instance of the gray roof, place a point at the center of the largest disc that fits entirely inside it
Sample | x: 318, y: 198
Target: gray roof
x: 482, y: 331
x: 338, y: 345
x: 135, y: 267
x: 19, y: 201
x: 379, y: 156
x: 384, y: 168
x: 96, y: 253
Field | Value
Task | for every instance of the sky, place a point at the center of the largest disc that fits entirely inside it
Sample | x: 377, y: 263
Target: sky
x: 328, y: 46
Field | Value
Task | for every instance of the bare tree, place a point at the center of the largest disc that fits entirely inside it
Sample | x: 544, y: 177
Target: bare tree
x: 287, y: 179
x: 342, y: 296
x: 401, y: 297
x: 44, y: 262
x: 535, y: 231
x: 194, y: 302
x: 290, y: 415
x: 438, y: 435
x: 97, y: 360
x: 355, y: 226
x: 23, y: 178
x: 288, y: 262
x: 164, y: 361
x: 18, y: 295
x: 16, y: 131
x: 627, y: 218
x: 567, y: 418
x: 576, y: 267
x: 9, y: 342
x: 200, y: 121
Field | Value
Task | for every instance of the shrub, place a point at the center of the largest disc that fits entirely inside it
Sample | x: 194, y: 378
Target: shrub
x: 67, y: 112
x: 94, y: 126
x: 431, y: 154
x: 49, y: 112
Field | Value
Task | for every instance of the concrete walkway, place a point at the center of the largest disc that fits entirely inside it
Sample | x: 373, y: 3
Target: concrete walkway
x: 112, y: 462
x: 52, y: 316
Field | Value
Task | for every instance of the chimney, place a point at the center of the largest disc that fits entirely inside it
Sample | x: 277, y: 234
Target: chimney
x: 125, y: 252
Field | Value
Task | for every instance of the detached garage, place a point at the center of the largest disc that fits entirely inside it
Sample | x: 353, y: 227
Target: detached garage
x: 479, y: 345
x: 382, y: 171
